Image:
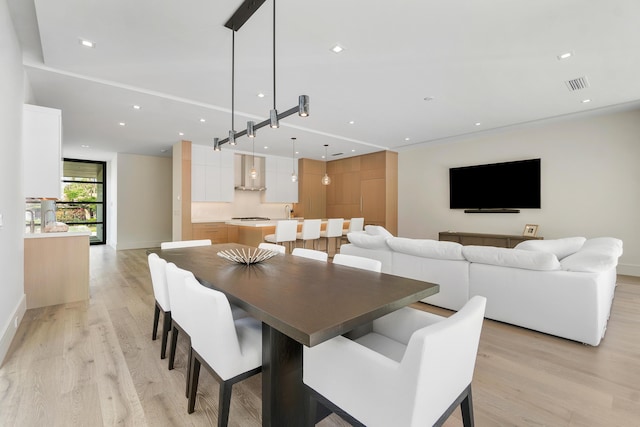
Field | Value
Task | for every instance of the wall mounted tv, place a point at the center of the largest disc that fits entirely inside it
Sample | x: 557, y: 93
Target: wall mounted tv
x: 497, y: 187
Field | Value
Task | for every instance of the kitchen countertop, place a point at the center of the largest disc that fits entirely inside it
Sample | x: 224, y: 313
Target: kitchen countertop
x: 255, y: 224
x: 60, y: 234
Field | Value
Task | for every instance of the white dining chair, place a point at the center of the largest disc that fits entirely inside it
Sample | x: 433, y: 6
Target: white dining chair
x: 272, y: 247
x: 358, y: 262
x: 231, y: 350
x: 333, y: 230
x: 310, y: 253
x: 414, y: 369
x: 157, y: 268
x: 356, y: 225
x: 286, y: 231
x: 310, y: 231
x: 185, y: 244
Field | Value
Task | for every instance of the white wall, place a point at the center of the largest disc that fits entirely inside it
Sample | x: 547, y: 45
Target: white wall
x: 143, y: 202
x: 12, y: 298
x: 590, y: 182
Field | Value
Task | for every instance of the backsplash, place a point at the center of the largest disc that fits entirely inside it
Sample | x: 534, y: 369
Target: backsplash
x: 245, y: 204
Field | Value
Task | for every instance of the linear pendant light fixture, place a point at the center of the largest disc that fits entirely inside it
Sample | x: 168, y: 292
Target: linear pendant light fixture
x: 237, y: 20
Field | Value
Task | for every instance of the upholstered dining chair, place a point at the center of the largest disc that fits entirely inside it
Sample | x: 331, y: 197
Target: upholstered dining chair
x: 185, y: 244
x: 157, y: 268
x: 272, y: 247
x: 310, y: 231
x: 358, y: 262
x: 414, y: 369
x: 310, y: 253
x: 286, y: 231
x: 333, y: 229
x: 231, y: 350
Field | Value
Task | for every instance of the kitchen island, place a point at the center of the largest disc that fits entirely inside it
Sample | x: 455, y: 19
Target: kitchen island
x: 56, y: 268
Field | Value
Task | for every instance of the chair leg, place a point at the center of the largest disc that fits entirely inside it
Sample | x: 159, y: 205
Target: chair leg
x: 172, y: 350
x: 189, y: 363
x: 224, y: 403
x: 156, y: 318
x: 466, y: 406
x: 194, y: 374
x: 166, y: 326
x: 313, y: 411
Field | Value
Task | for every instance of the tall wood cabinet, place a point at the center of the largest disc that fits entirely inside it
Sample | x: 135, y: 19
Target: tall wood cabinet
x: 312, y: 195
x: 365, y: 186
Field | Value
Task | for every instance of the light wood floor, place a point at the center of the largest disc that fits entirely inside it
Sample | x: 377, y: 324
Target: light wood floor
x: 92, y: 364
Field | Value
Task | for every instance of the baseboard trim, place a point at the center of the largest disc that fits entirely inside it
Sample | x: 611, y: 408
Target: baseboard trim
x: 11, y: 327
x: 628, y: 270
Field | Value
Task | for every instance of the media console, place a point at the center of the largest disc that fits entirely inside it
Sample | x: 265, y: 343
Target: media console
x: 480, y: 239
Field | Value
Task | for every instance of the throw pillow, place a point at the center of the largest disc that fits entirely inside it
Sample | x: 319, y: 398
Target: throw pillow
x: 376, y: 230
x: 590, y: 262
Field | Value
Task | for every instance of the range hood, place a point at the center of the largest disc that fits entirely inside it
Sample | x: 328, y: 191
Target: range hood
x: 243, y: 165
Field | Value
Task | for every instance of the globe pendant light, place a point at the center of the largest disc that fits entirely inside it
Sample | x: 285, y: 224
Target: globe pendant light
x: 325, y: 179
x: 294, y: 177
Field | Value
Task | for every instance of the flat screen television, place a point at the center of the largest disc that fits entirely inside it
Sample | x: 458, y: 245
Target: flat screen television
x: 497, y: 186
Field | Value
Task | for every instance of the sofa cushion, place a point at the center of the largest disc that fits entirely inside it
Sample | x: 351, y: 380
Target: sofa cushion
x: 516, y: 258
x: 560, y: 247
x: 589, y: 261
x: 426, y: 248
x: 377, y: 230
x: 604, y: 244
x: 367, y: 241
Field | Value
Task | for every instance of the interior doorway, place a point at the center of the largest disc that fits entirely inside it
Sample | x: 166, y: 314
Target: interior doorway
x: 83, y: 203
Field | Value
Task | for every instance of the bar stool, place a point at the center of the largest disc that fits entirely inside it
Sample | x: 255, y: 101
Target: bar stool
x: 286, y: 231
x: 355, y: 225
x: 310, y: 231
x: 334, y: 229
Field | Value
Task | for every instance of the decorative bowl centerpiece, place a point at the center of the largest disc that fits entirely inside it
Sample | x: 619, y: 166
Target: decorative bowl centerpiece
x: 248, y: 256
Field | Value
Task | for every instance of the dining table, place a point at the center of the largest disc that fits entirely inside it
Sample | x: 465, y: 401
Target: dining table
x: 300, y: 302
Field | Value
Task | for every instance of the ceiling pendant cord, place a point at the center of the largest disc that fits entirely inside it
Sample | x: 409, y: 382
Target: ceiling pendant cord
x: 232, y: 132
x: 273, y: 114
x: 294, y: 176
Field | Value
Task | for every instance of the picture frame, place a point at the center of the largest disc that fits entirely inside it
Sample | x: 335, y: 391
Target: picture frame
x: 530, y: 230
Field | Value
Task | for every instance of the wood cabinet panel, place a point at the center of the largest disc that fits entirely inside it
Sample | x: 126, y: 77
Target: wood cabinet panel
x: 481, y: 239
x: 217, y: 232
x: 312, y: 195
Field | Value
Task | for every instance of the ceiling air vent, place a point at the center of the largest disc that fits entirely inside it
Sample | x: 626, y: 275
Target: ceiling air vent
x: 577, y: 84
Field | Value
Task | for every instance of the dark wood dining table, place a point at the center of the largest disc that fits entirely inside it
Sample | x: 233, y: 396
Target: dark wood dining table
x: 299, y: 302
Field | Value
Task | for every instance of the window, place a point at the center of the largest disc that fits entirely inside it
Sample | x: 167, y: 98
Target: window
x: 82, y: 206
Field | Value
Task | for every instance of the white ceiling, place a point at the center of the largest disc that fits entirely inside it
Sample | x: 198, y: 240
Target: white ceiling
x: 490, y: 62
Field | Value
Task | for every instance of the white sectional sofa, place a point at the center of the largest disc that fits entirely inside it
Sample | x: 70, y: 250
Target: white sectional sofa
x: 561, y: 287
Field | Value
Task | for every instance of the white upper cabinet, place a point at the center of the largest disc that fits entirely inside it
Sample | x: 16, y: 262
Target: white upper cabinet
x: 42, y: 151
x: 212, y: 174
x: 280, y: 189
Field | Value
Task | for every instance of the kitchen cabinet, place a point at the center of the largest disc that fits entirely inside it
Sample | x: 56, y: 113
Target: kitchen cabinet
x: 280, y: 188
x: 484, y: 239
x: 42, y: 151
x: 212, y: 175
x: 365, y: 186
x: 312, y: 195
x: 217, y: 232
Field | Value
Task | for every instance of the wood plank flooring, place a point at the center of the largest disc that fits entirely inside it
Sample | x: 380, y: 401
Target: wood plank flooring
x: 94, y: 363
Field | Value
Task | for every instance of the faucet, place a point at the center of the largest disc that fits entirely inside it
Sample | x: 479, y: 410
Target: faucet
x: 287, y: 211
x: 32, y: 220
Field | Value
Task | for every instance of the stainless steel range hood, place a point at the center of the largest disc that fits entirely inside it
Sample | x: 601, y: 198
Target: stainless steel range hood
x: 243, y: 180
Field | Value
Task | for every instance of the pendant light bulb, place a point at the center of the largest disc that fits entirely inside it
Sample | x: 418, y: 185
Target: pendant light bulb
x: 325, y: 179
x: 253, y: 173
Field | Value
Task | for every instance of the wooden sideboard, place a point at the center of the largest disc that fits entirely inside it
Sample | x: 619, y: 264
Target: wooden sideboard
x: 480, y: 239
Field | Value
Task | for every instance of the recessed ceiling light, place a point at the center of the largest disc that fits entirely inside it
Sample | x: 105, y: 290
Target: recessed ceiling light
x: 87, y: 43
x: 351, y: 122
x: 122, y: 123
x: 565, y: 55
x: 337, y: 48
x: 181, y: 133
x: 584, y: 101
x: 137, y: 107
x: 164, y: 150
x: 260, y: 95
x: 407, y: 139
x: 477, y: 123
x: 353, y: 151
x: 266, y: 147
x: 84, y: 146
x: 202, y: 120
